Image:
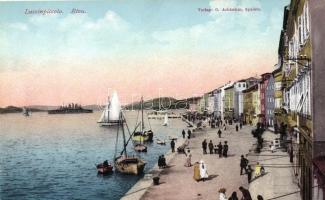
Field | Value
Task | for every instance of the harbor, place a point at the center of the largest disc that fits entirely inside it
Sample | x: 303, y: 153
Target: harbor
x: 60, y: 152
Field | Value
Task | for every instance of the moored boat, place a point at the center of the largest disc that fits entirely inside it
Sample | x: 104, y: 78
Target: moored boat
x: 123, y: 163
x: 104, y: 168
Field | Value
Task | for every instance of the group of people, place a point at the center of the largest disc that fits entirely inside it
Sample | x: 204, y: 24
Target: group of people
x: 162, y: 162
x: 189, y: 133
x: 245, y: 194
x: 221, y: 150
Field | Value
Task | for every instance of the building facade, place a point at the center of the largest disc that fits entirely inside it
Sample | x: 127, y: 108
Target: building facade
x: 269, y: 101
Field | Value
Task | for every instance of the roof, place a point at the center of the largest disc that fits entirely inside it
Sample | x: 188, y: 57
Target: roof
x: 253, y: 87
x: 229, y: 87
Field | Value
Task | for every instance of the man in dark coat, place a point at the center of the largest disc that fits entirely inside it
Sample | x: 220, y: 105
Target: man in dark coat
x: 172, y: 145
x: 246, y: 194
x: 219, y: 133
x: 220, y: 149
x: 189, y: 134
x: 211, y: 147
x: 237, y: 127
x: 241, y: 125
x: 249, y: 173
x: 243, y: 164
x: 225, y: 149
x: 183, y: 133
x: 204, y: 146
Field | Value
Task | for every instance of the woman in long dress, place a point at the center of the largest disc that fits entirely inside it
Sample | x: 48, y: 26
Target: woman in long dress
x: 188, y: 159
x: 203, y: 171
x: 196, y: 169
x: 222, y: 194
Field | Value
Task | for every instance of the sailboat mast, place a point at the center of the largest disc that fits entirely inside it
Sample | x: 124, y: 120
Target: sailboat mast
x: 142, y: 125
x: 124, y: 140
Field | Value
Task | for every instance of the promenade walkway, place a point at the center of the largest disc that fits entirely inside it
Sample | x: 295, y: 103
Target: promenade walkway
x: 177, y: 181
x: 279, y: 180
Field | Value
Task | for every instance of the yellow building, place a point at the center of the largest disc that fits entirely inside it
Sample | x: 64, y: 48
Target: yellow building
x: 229, y: 102
x: 251, y: 104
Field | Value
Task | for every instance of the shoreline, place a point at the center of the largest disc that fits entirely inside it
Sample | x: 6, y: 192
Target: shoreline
x: 143, y: 184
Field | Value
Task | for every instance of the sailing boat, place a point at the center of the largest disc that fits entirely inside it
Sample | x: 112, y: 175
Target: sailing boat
x: 110, y: 115
x: 142, y: 135
x: 124, y: 163
x: 165, y: 120
x: 27, y: 112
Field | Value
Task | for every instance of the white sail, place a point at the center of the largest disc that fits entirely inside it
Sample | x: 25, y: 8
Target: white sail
x: 114, y: 108
x: 165, y: 120
x: 104, y: 116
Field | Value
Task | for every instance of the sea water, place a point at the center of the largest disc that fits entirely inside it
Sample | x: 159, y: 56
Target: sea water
x: 54, y: 156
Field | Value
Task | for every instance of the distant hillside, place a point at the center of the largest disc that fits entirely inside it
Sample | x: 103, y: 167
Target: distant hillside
x: 10, y: 109
x: 165, y: 103
x: 14, y: 109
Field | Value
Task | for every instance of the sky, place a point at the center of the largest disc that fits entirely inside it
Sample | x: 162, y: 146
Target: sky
x: 137, y: 48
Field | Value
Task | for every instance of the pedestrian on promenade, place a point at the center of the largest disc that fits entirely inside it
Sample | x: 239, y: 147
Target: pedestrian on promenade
x: 183, y: 133
x: 211, y: 147
x: 189, y: 133
x: 259, y: 197
x: 249, y: 173
x: 224, y: 127
x: 243, y: 164
x: 225, y: 149
x: 196, y: 169
x: 204, y: 146
x: 222, y: 194
x: 203, y: 171
x: 233, y: 196
x: 220, y: 149
x: 188, y: 159
x: 163, y: 161
x: 257, y: 169
x: 241, y: 125
x: 246, y: 194
x: 172, y: 145
x: 237, y: 127
x: 159, y: 162
x: 219, y: 133
x: 215, y: 149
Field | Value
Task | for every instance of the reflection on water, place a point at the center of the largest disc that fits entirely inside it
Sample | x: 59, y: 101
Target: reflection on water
x: 54, y: 156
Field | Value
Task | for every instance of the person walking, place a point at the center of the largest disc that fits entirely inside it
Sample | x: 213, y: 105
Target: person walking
x: 224, y: 127
x: 241, y: 125
x: 204, y: 146
x: 189, y: 133
x: 219, y: 133
x: 257, y: 169
x: 196, y: 168
x: 220, y: 149
x: 243, y: 164
x: 211, y: 147
x: 233, y: 196
x: 249, y: 173
x: 246, y: 194
x: 237, y: 127
x: 222, y: 194
x: 172, y: 145
x: 203, y: 171
x: 225, y: 149
x: 188, y: 159
x: 259, y: 197
x: 183, y: 133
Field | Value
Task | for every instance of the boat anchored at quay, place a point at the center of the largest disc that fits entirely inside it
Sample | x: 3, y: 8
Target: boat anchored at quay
x: 123, y: 163
x: 110, y: 115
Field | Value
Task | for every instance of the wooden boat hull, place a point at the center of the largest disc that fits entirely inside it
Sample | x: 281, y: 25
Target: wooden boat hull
x: 101, y: 169
x: 140, y: 148
x: 133, y: 166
